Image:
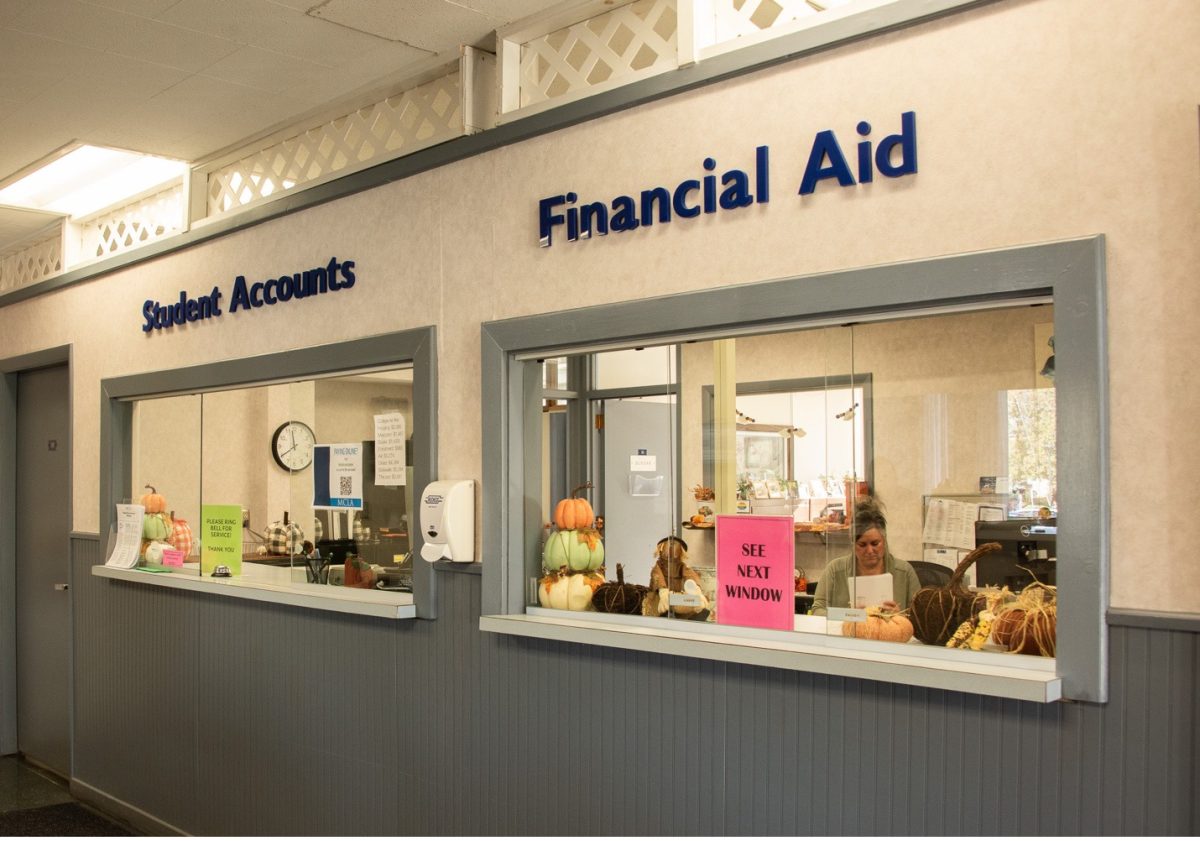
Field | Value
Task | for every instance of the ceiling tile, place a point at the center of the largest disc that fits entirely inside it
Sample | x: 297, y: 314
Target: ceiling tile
x: 141, y: 8
x: 9, y: 9
x: 269, y: 26
x: 16, y: 225
x: 90, y: 26
x: 267, y: 71
x: 432, y: 25
x: 30, y: 63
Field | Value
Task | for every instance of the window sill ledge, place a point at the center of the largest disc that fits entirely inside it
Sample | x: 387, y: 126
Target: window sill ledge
x: 1034, y: 680
x: 337, y: 599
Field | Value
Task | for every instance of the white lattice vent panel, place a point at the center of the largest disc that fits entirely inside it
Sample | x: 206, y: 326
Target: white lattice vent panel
x: 738, y: 18
x: 32, y: 263
x: 615, y: 47
x: 399, y: 125
x: 137, y: 223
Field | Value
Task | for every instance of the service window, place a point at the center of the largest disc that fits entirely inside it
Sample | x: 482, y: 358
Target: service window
x: 892, y: 449
x: 885, y: 481
x: 316, y: 476
x: 298, y: 485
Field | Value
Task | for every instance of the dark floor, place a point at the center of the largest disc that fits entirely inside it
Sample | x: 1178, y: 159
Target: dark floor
x: 34, y: 802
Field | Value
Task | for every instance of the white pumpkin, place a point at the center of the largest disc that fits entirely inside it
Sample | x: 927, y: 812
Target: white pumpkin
x: 568, y: 592
x: 154, y: 551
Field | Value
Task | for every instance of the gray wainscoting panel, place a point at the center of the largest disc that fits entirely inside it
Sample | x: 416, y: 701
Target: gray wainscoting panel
x: 225, y: 717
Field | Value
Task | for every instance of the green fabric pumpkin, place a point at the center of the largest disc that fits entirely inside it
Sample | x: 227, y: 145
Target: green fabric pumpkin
x: 155, y: 526
x: 579, y: 550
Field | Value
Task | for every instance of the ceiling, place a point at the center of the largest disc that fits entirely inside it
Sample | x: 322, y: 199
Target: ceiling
x: 190, y: 78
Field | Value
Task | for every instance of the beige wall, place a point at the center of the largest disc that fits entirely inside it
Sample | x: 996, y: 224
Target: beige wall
x: 1038, y: 120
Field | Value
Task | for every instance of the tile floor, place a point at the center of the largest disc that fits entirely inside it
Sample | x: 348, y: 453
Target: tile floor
x: 33, y: 802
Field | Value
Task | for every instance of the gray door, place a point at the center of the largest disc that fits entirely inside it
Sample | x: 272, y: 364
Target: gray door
x: 639, y: 476
x: 42, y: 541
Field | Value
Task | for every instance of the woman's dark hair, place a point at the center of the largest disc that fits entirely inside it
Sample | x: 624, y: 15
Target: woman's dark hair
x: 868, y: 514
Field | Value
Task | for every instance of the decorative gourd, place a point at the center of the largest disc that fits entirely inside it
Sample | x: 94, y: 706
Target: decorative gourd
x: 181, y: 536
x: 619, y: 597
x: 154, y: 551
x: 284, y: 537
x: 574, y: 512
x: 359, y: 573
x: 577, y: 550
x: 563, y: 591
x: 885, y: 627
x: 153, y: 502
x: 156, y: 526
x: 937, y: 612
x: 1029, y: 624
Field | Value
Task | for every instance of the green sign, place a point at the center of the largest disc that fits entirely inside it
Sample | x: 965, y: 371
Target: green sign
x: 220, y: 538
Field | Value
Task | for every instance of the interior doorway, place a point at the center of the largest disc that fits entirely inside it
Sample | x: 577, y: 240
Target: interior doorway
x: 37, y: 660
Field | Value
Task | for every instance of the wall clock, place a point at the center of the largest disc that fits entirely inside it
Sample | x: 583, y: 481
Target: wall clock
x: 292, y: 445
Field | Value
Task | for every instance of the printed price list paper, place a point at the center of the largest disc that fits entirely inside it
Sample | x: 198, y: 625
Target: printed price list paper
x: 128, y: 544
x: 391, y: 453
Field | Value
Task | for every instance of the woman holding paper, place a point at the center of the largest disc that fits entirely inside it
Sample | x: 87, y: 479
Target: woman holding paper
x: 870, y: 557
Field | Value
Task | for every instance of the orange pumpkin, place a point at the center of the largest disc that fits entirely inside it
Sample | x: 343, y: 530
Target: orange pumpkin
x: 153, y: 501
x: 885, y: 627
x: 574, y: 512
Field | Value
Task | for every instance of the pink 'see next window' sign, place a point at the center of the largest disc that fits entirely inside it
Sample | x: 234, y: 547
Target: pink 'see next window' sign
x: 756, y: 567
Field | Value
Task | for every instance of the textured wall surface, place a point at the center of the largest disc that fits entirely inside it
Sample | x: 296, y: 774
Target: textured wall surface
x: 1038, y: 120
x: 226, y: 717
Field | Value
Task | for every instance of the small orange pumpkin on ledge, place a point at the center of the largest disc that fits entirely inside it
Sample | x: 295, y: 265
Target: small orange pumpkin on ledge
x: 574, y: 512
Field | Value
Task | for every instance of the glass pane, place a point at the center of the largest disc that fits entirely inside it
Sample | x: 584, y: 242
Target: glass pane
x: 635, y: 367
x: 166, y: 480
x: 235, y: 454
x: 357, y: 499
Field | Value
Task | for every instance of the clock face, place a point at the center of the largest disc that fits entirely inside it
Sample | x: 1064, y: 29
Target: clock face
x: 292, y: 445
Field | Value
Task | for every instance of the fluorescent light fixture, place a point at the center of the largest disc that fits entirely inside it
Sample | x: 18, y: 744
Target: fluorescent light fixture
x: 89, y: 178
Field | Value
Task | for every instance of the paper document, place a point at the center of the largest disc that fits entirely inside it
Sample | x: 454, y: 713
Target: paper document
x: 129, y: 537
x: 390, y: 449
x: 868, y: 590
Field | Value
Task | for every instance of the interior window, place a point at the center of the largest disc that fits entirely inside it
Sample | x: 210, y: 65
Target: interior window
x: 311, y: 480
x: 886, y: 451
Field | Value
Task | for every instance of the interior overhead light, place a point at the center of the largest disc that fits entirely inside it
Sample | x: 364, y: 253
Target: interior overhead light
x: 89, y: 178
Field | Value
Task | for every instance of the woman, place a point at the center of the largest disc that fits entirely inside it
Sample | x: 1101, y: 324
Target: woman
x: 871, y: 557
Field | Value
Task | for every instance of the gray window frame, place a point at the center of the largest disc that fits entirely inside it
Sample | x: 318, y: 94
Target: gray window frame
x: 1072, y: 272
x: 416, y: 347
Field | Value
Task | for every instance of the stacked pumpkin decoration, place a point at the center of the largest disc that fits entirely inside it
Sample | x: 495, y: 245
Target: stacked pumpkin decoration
x: 573, y: 556
x: 156, y: 525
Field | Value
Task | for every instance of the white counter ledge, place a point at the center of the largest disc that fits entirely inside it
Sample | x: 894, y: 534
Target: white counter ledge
x: 981, y: 673
x: 271, y: 584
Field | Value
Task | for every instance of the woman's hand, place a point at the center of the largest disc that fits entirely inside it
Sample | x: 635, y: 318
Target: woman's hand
x: 890, y: 606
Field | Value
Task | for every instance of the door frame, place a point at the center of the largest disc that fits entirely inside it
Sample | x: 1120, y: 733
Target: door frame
x: 10, y: 370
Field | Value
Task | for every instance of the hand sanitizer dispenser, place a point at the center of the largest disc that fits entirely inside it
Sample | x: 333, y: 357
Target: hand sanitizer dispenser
x: 448, y: 521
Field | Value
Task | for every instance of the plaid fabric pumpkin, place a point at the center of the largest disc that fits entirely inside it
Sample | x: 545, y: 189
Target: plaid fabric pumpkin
x: 284, y: 540
x: 181, y: 536
x: 362, y: 532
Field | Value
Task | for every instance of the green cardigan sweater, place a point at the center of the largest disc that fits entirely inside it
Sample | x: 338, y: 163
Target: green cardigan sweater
x: 833, y: 590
